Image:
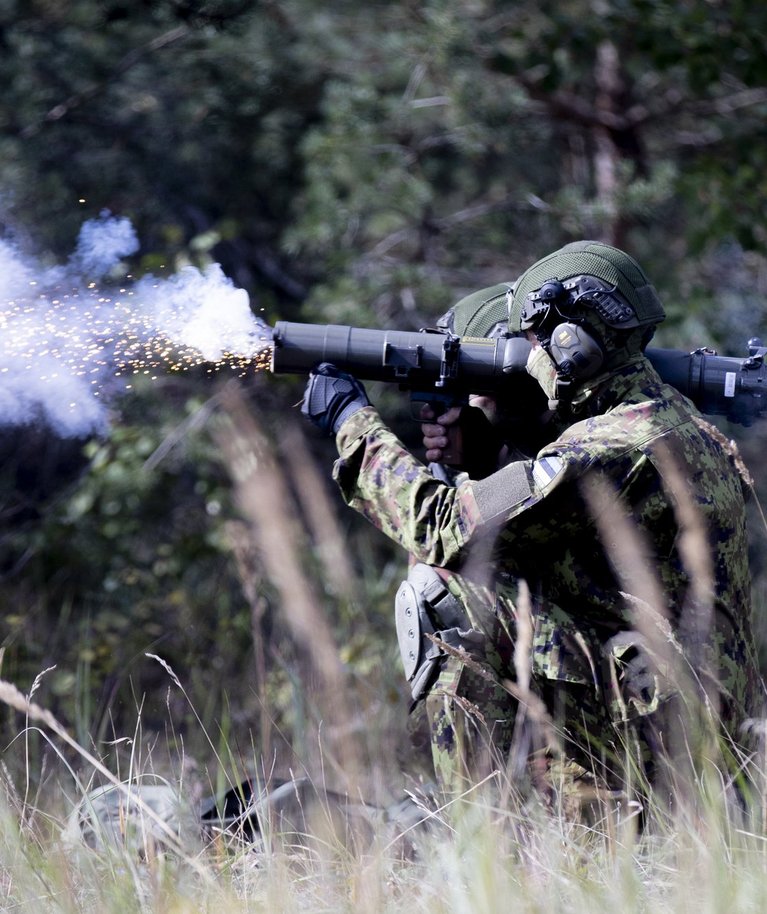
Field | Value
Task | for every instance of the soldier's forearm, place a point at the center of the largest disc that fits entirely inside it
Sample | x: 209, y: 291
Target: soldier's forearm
x: 384, y: 482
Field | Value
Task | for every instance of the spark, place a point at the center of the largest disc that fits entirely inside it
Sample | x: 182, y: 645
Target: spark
x: 54, y: 337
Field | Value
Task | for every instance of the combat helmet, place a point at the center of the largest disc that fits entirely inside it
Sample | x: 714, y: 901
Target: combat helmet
x: 591, y: 307
x: 484, y: 313
x: 599, y: 261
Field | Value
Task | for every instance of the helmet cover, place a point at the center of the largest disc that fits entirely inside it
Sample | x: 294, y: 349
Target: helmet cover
x: 484, y: 313
x: 587, y: 261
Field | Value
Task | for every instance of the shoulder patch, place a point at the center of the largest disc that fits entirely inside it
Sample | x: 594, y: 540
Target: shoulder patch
x: 498, y: 495
x: 546, y: 470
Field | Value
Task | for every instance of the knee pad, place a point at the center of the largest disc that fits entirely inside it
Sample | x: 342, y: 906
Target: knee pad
x: 425, y: 607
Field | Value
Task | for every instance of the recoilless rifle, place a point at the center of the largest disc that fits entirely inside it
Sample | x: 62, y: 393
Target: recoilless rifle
x: 438, y: 367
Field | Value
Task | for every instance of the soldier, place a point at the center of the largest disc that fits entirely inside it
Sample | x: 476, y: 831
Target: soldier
x: 628, y: 530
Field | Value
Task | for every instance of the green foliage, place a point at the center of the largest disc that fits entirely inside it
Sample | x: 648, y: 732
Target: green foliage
x: 151, y: 110
x: 132, y: 557
x: 406, y: 164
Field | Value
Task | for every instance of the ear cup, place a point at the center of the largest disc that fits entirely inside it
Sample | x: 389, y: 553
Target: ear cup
x: 575, y: 352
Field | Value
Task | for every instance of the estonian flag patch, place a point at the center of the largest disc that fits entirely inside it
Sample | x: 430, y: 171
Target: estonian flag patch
x: 546, y: 470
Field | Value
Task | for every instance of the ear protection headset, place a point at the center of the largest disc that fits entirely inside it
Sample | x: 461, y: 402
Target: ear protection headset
x: 552, y: 313
x: 576, y: 354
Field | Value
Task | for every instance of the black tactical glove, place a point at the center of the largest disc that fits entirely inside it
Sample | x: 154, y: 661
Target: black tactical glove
x: 331, y: 396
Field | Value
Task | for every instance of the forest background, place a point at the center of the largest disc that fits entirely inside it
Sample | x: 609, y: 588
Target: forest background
x: 363, y: 163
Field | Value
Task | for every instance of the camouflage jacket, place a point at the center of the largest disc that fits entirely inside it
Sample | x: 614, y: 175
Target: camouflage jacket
x: 632, y: 522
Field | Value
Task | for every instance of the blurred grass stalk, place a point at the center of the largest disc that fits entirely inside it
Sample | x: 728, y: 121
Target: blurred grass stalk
x: 281, y: 499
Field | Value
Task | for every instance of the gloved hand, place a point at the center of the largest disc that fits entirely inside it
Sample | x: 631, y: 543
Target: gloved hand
x: 331, y: 396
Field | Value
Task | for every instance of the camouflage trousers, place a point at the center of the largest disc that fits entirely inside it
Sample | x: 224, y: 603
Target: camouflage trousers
x: 576, y: 761
x: 469, y: 718
x: 465, y: 719
x: 468, y: 721
x: 562, y: 748
x: 464, y: 716
x: 568, y: 742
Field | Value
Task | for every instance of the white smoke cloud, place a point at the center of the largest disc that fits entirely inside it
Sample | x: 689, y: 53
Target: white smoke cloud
x: 102, y: 243
x: 201, y: 310
x: 15, y: 277
x: 67, y: 346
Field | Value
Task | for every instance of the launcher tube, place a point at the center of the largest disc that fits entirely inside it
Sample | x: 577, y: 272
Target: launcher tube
x: 417, y: 360
x: 455, y: 367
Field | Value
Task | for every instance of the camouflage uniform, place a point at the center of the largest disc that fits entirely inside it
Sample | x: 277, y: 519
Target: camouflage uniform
x: 533, y: 520
x: 465, y: 717
x: 633, y: 632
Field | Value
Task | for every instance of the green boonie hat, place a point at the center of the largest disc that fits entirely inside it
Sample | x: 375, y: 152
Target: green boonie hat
x: 483, y: 313
x: 592, y: 258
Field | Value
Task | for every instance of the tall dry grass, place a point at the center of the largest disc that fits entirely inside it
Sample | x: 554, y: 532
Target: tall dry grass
x: 474, y: 856
x: 120, y: 830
